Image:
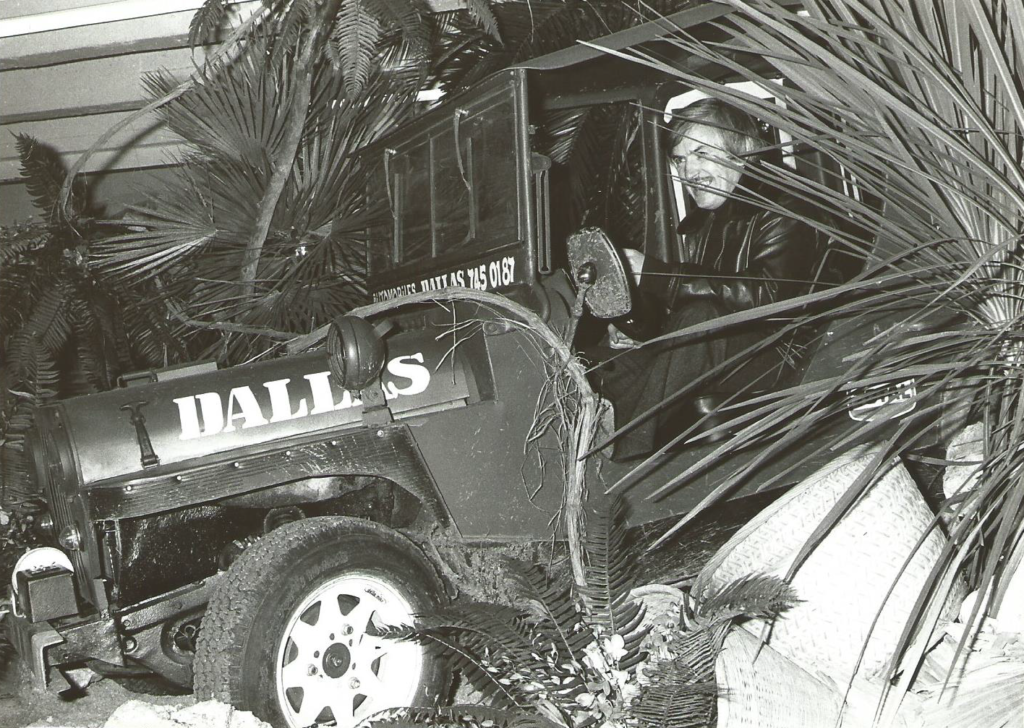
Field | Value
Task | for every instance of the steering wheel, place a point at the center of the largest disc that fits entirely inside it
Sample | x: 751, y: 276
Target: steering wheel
x: 599, y: 273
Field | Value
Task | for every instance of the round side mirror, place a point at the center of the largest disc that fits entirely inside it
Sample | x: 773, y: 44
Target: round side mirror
x: 355, y: 352
x: 596, y: 263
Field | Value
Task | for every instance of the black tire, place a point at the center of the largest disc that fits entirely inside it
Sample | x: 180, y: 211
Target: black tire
x: 155, y: 685
x: 251, y: 633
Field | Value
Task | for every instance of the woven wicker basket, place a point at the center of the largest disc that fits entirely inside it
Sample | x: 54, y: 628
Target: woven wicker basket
x: 844, y: 581
x: 770, y: 691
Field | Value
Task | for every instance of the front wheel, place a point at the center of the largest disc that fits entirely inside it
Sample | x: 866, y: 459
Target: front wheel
x: 291, y: 633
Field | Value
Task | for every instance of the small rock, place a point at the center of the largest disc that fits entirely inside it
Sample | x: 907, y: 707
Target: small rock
x: 136, y: 713
x: 214, y: 714
x: 208, y: 714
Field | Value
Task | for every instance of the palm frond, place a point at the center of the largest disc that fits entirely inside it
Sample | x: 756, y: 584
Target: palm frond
x: 609, y: 581
x: 353, y: 41
x: 757, y: 595
x: 43, y: 171
x: 206, y: 22
x: 921, y: 104
x: 235, y: 110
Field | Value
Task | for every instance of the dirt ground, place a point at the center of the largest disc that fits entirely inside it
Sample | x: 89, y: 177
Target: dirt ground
x: 21, y: 705
x: 679, y: 559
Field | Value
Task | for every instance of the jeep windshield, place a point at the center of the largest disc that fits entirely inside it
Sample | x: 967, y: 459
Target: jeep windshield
x: 452, y: 194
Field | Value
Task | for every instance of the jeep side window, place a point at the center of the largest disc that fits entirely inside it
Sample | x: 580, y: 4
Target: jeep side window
x: 451, y: 189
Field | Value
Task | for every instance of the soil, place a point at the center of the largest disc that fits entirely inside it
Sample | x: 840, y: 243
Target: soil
x: 23, y: 705
x: 674, y: 562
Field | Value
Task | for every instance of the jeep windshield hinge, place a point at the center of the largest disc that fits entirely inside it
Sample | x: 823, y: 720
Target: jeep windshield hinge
x: 375, y: 406
x: 540, y: 166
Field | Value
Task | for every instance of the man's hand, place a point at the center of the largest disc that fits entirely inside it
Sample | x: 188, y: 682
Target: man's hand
x: 618, y: 340
x: 635, y: 261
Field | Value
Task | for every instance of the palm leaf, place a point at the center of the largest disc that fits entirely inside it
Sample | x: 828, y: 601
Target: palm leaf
x: 920, y: 102
x: 43, y: 171
x: 236, y: 110
x: 354, y: 39
x: 206, y: 22
x: 609, y: 581
x: 567, y: 628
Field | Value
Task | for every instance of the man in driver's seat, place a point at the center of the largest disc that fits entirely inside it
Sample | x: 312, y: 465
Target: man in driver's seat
x: 748, y: 245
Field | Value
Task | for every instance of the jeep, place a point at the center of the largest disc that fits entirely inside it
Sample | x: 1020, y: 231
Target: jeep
x: 281, y: 510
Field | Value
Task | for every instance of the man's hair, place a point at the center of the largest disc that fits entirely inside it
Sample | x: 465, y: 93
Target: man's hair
x: 740, y: 132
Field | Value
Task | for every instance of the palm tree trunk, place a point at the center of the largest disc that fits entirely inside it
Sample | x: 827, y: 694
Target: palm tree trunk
x: 281, y: 168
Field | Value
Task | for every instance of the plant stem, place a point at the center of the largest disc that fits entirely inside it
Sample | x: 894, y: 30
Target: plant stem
x: 284, y: 161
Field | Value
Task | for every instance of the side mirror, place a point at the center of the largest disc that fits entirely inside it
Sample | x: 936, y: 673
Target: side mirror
x: 599, y: 273
x: 355, y: 352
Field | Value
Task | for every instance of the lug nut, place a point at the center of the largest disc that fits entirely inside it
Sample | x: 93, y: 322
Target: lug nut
x: 354, y: 683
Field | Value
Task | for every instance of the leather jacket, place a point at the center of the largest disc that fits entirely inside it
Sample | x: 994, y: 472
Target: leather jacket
x: 744, y: 254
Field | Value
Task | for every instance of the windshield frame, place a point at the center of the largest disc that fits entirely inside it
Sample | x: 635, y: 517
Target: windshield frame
x: 462, y: 265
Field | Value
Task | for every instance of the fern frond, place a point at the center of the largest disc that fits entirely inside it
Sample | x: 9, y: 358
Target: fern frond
x: 683, y: 691
x: 90, y: 344
x: 502, y: 653
x: 407, y: 15
x: 49, y: 322
x: 206, y: 22
x: 481, y: 13
x: 455, y: 716
x: 609, y: 580
x: 44, y: 171
x: 678, y: 703
x: 290, y: 28
x: 563, y: 615
x: 354, y: 41
x: 756, y: 595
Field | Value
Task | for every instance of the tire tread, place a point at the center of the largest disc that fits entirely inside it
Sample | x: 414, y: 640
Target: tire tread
x: 227, y: 623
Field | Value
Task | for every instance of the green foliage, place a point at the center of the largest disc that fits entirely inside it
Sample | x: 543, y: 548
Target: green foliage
x: 206, y: 21
x: 189, y: 239
x: 62, y: 333
x: 921, y: 105
x: 577, y: 657
x: 260, y: 235
x: 56, y: 337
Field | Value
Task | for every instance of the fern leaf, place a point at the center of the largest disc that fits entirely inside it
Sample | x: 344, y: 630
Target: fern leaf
x: 290, y: 27
x: 609, y: 581
x: 43, y: 171
x: 481, y: 13
x: 683, y: 692
x: 501, y: 653
x: 462, y: 716
x: 90, y: 344
x: 407, y: 15
x: 756, y: 595
x: 678, y: 705
x: 558, y: 606
x: 206, y: 22
x: 355, y: 36
x: 49, y: 322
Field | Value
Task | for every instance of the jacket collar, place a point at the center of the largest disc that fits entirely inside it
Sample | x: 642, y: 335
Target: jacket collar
x: 743, y: 203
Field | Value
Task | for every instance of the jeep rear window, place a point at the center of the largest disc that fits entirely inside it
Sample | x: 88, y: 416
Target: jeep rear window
x: 451, y: 189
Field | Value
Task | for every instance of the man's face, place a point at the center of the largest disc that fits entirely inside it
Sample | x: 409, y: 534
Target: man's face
x: 709, y: 172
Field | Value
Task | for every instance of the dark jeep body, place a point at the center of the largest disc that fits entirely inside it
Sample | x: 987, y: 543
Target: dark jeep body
x: 155, y: 487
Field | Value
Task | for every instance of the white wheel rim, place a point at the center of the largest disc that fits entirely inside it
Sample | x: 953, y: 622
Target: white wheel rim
x: 330, y: 663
